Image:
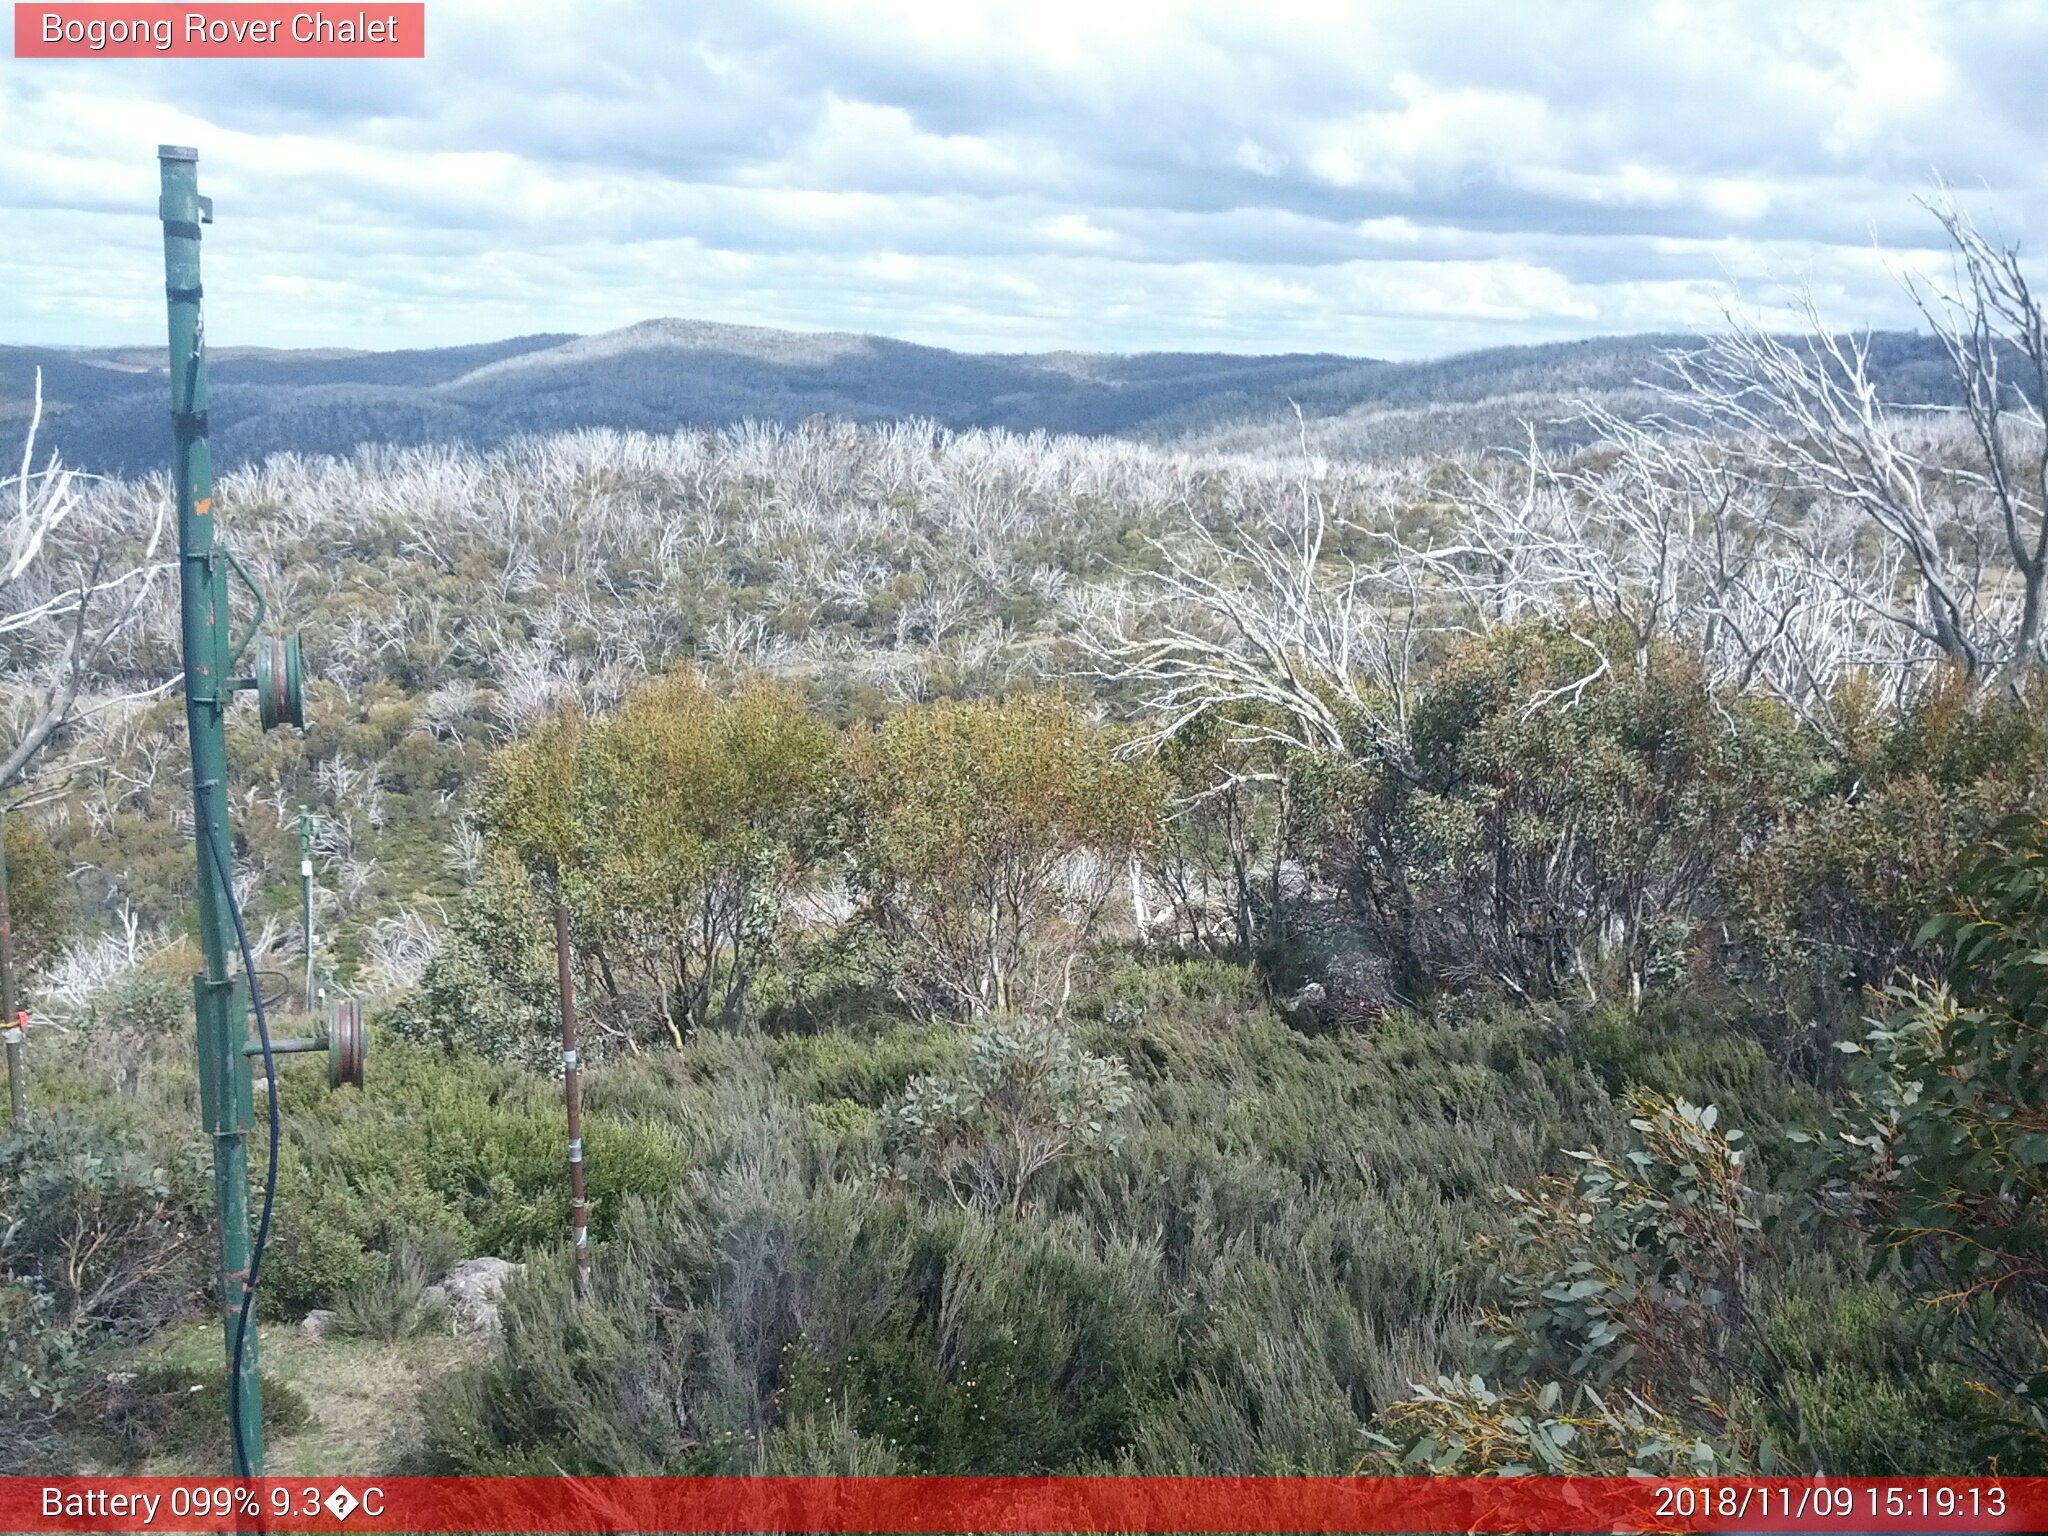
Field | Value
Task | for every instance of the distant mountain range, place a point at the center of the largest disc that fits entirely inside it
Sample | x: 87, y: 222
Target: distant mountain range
x: 106, y: 407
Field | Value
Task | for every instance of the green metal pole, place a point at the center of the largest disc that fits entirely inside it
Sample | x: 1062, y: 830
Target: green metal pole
x: 225, y: 1089
x: 306, y: 898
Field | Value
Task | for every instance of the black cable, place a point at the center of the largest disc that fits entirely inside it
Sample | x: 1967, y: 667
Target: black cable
x: 227, y: 885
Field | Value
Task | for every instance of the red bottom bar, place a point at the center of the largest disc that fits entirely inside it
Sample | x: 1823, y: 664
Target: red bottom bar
x: 1021, y: 1504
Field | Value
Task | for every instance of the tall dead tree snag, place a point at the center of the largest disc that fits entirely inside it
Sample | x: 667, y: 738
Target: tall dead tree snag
x: 75, y: 573
x: 1957, y: 492
x: 74, y: 579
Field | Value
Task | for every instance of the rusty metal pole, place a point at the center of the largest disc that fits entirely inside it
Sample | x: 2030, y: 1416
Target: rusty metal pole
x: 572, y: 1094
x: 10, y: 1025
x: 306, y: 900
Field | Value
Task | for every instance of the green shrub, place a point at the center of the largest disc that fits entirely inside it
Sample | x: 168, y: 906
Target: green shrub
x: 134, y: 1036
x: 148, y: 1002
x: 1025, y: 1101
x: 317, y: 1253
x: 786, y: 1316
x: 1622, y: 1288
x: 817, y: 1069
x: 453, y: 1153
x: 1008, y: 1349
x: 491, y: 988
x: 1712, y: 1044
x: 100, y: 1243
x: 1129, y: 993
x: 397, y: 1305
x: 1858, y: 1380
x: 1844, y: 886
x: 841, y: 1119
x: 41, y: 1357
x: 1637, y: 1264
x: 1548, y: 836
x: 505, y: 1171
x: 1463, y: 1426
x: 101, y: 1225
x: 40, y: 902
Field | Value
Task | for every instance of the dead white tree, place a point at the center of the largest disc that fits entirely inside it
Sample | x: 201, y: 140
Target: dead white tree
x: 1960, y: 493
x: 72, y: 582
x: 1661, y: 530
x: 1305, y: 649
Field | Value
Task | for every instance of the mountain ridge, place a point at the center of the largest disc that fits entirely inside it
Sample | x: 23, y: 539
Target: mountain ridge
x: 105, y: 406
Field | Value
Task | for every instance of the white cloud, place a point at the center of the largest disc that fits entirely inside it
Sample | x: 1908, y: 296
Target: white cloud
x: 1435, y: 131
x: 1076, y: 231
x: 1371, y: 176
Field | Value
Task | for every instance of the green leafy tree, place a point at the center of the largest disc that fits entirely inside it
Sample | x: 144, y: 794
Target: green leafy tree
x: 679, y: 830
x: 1892, y: 826
x: 990, y: 838
x: 1224, y: 841
x: 528, y: 802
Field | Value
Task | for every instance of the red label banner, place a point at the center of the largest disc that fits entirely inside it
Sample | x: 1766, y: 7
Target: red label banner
x: 218, y: 31
x: 1020, y: 1504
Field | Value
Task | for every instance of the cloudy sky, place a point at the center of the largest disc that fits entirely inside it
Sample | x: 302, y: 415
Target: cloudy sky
x: 1393, y: 179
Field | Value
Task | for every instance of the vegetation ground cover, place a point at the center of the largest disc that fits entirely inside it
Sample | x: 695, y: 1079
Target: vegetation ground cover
x: 1099, y: 959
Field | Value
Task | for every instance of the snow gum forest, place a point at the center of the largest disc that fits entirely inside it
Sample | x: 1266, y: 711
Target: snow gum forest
x: 1269, y: 949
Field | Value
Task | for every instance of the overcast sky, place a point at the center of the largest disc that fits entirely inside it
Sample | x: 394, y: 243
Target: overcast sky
x: 1397, y: 180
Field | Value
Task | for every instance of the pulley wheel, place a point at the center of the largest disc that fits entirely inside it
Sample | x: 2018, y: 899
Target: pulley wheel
x: 347, y: 1044
x: 280, y: 681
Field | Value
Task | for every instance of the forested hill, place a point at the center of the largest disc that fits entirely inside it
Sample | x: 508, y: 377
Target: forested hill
x: 107, y: 405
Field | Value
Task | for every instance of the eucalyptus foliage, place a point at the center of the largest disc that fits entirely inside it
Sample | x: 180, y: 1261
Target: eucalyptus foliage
x: 1942, y: 1152
x: 1026, y: 1099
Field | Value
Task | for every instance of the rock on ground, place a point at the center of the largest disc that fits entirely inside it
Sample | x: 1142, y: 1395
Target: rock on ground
x: 471, y: 1290
x: 317, y: 1324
